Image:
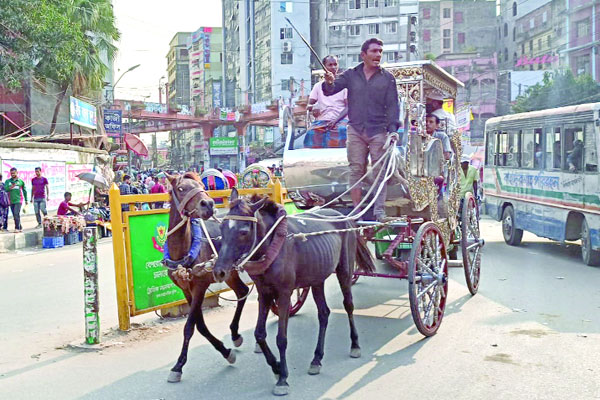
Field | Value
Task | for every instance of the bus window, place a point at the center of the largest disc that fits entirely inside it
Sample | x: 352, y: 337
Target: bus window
x: 508, y: 149
x: 528, y: 150
x: 573, y: 149
x: 538, y: 154
x: 553, y: 148
x: 590, y: 156
x: 490, y: 143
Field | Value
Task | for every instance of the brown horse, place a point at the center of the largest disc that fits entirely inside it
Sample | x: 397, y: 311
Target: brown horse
x: 284, y: 263
x: 189, y: 200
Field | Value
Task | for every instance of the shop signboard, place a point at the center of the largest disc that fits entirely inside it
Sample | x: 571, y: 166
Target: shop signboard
x: 113, y: 122
x: 223, y: 146
x: 82, y: 113
x: 152, y: 287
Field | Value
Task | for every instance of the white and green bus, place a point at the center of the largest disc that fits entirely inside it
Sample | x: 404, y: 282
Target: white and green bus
x: 541, y: 175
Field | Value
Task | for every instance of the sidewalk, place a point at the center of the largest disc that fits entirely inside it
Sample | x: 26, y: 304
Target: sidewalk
x: 30, y: 237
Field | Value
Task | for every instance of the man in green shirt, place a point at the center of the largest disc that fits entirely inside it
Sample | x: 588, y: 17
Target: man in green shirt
x: 14, y: 186
x: 469, y: 176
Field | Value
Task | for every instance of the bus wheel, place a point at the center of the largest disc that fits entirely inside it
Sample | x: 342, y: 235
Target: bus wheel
x: 590, y: 256
x: 512, y: 235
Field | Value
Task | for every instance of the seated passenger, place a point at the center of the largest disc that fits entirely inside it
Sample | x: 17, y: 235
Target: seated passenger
x: 574, y: 158
x: 446, y: 120
x: 329, y: 128
x: 432, y: 123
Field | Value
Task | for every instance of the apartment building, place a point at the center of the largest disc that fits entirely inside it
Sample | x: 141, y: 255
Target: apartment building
x: 178, y: 71
x: 205, y: 47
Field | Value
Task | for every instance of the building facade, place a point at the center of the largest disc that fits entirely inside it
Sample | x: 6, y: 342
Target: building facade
x: 453, y: 27
x: 205, y: 47
x: 262, y: 53
x: 178, y: 71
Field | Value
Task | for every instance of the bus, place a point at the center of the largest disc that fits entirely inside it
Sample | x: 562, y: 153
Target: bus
x: 541, y: 175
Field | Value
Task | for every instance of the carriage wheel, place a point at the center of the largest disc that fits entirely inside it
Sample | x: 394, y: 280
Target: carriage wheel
x: 428, y: 279
x: 470, y: 243
x: 297, y: 301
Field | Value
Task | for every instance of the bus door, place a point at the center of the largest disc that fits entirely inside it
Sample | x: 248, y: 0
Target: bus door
x: 572, y: 167
x: 591, y: 182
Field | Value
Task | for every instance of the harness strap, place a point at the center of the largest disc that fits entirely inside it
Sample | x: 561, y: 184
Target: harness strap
x: 184, y: 220
x: 210, y: 242
x: 240, y: 218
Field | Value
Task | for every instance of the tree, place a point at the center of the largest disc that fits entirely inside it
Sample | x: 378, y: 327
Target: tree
x: 61, y: 41
x: 558, y: 89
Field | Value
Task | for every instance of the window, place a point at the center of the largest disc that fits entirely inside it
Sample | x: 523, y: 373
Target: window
x: 505, y: 29
x: 183, y: 53
x: 354, y: 4
x: 426, y: 35
x: 353, y: 59
x: 531, y: 143
x: 391, y: 27
x: 446, y: 12
x: 390, y: 3
x: 552, y: 153
x: 545, y: 17
x: 573, y: 149
x: 514, y: 9
x: 531, y: 45
x: 286, y: 33
x: 446, y: 44
x: 549, y: 41
x: 335, y: 28
x: 461, y: 37
x: 514, y: 33
x: 590, y: 156
x: 372, y: 3
x: 285, y: 84
x: 522, y: 48
x: 458, y: 17
x: 287, y: 58
x: 490, y: 153
x: 505, y: 54
x: 354, y: 30
x: 582, y: 27
x: 515, y: 56
x: 391, y: 56
x: 583, y: 64
x: 508, y: 149
x: 426, y: 13
x: 286, y: 6
x: 373, y: 29
x: 531, y: 23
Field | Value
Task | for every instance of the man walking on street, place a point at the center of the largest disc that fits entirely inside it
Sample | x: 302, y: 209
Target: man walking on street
x: 373, y: 112
x: 125, y: 189
x: 39, y: 194
x: 14, y: 186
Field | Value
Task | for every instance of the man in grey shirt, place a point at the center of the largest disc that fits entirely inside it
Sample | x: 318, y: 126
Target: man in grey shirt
x: 373, y: 111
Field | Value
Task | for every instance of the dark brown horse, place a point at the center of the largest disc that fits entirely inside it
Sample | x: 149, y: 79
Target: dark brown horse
x: 295, y: 262
x: 189, y: 200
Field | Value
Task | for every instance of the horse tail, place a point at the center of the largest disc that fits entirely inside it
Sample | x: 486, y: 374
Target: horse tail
x: 364, y: 260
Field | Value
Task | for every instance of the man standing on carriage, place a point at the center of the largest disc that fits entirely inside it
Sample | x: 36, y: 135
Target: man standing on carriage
x: 373, y: 111
x: 330, y: 127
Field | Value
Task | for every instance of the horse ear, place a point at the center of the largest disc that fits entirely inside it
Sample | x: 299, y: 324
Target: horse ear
x: 170, y: 178
x: 259, y: 204
x: 234, y: 195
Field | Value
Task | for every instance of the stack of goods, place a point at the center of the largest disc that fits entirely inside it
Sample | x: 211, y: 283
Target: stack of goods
x: 62, y: 230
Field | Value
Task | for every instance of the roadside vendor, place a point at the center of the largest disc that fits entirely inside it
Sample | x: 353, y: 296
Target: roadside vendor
x: 65, y: 206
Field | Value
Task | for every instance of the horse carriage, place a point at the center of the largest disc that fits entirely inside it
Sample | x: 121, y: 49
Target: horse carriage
x: 430, y: 223
x: 286, y: 254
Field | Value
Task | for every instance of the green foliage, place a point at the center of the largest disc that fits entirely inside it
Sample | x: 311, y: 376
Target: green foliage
x: 558, y: 89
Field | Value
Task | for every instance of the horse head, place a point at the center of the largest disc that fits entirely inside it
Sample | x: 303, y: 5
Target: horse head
x: 240, y: 232
x: 189, y: 196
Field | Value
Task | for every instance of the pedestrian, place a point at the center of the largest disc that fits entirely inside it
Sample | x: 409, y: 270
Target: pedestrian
x: 14, y: 186
x: 125, y: 189
x: 158, y: 188
x: 4, y: 206
x: 64, y: 207
x: 373, y: 112
x: 39, y: 193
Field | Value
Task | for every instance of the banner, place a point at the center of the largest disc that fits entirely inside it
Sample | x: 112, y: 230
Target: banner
x: 54, y: 171
x: 80, y: 190
x: 82, y: 113
x: 151, y: 284
x: 223, y: 146
x: 113, y: 122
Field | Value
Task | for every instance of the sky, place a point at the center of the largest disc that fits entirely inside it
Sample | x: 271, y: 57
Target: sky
x: 147, y: 27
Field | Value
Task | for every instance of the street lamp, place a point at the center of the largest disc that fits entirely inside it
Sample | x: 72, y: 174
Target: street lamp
x: 123, y: 74
x: 160, y: 90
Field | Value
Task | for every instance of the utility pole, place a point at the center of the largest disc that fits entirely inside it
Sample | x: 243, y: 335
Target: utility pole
x: 408, y: 30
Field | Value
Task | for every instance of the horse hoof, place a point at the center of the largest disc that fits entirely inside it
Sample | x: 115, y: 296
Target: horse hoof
x: 257, y: 349
x: 355, y: 353
x: 281, y: 390
x: 174, y: 377
x: 314, y: 369
x: 231, y: 357
x: 238, y: 342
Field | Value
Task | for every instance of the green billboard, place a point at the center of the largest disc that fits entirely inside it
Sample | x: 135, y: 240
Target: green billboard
x: 223, y: 146
x: 152, y: 286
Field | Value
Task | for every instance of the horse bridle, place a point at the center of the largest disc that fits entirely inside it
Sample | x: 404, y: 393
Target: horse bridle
x: 245, y: 218
x: 181, y: 205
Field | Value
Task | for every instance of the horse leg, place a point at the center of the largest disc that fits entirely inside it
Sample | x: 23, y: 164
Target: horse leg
x: 241, y: 290
x: 228, y: 354
x: 319, y: 297
x: 195, y: 302
x: 260, y: 332
x: 281, y: 387
x: 345, y: 279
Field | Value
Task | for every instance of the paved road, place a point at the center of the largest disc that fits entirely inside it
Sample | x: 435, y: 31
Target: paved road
x: 532, y: 332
